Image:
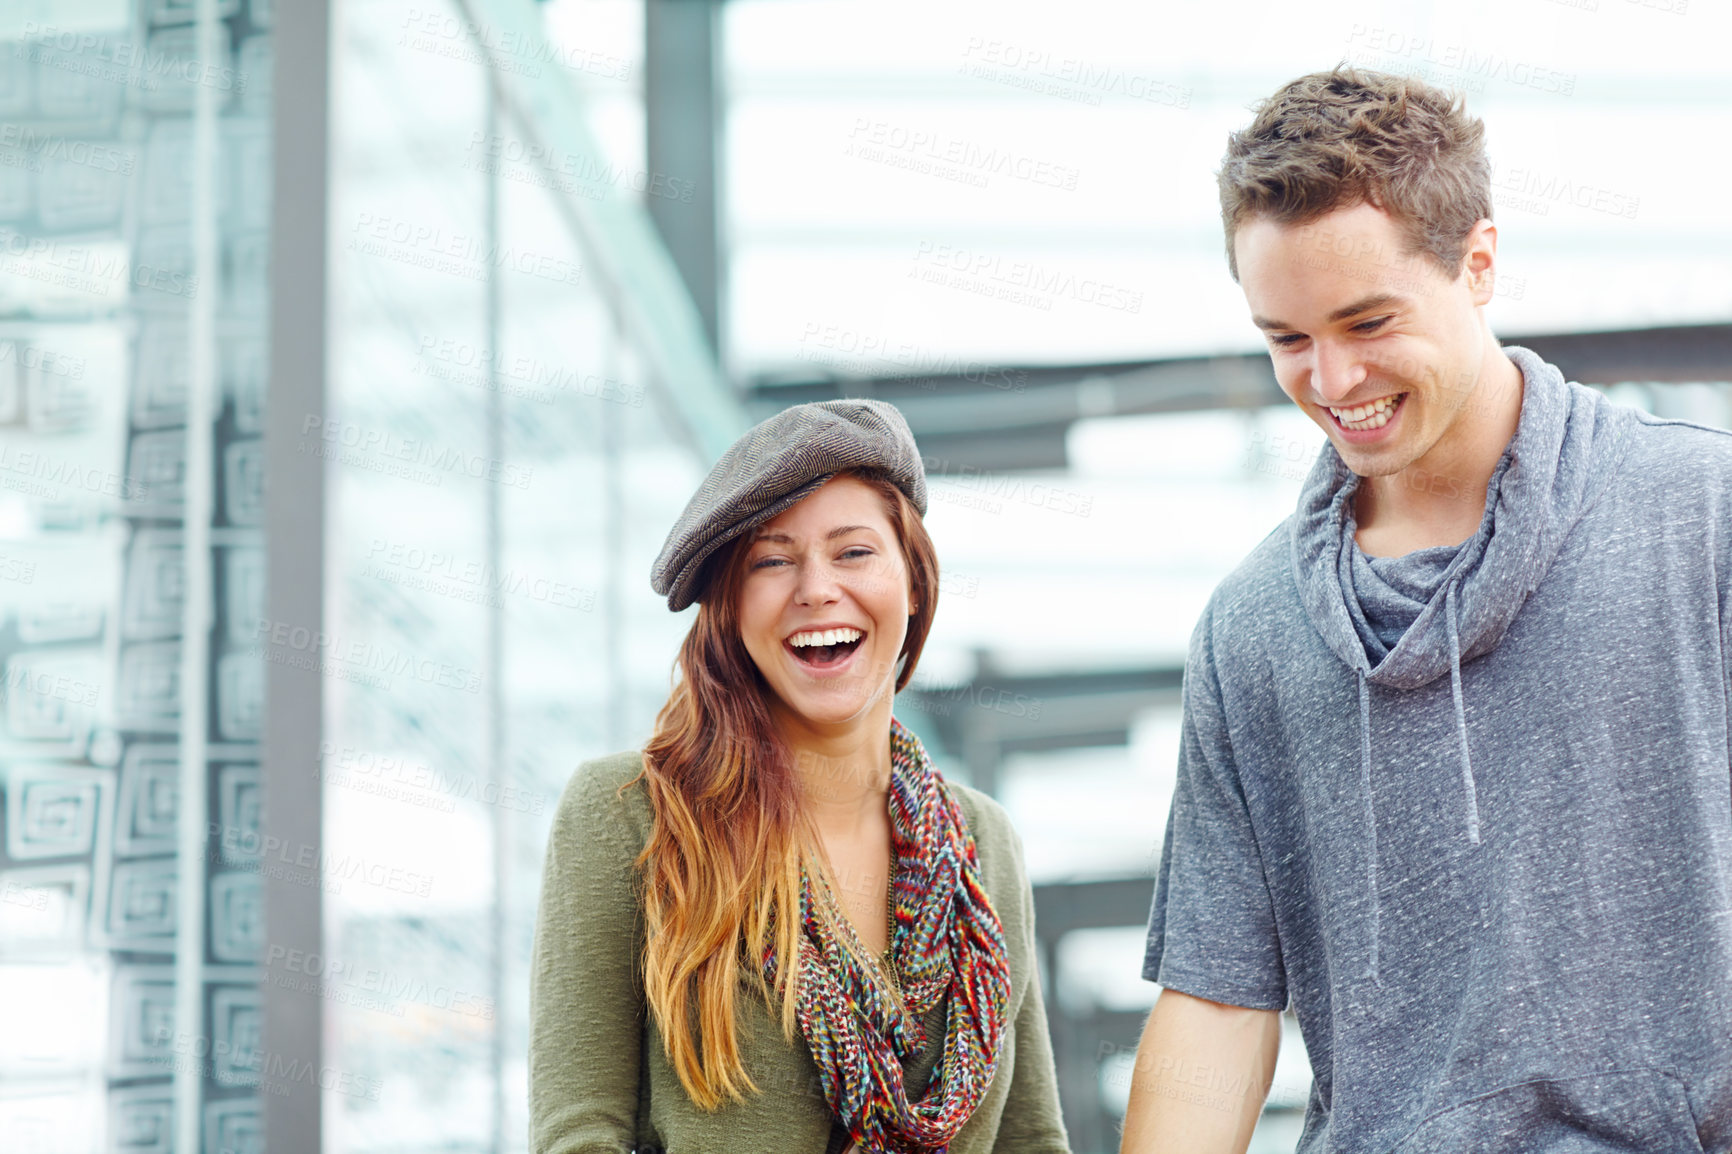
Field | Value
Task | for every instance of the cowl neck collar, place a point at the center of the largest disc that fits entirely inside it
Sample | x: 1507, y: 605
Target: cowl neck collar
x: 1567, y: 446
x: 1564, y: 451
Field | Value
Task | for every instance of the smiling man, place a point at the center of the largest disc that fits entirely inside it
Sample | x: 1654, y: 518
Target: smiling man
x: 1454, y: 781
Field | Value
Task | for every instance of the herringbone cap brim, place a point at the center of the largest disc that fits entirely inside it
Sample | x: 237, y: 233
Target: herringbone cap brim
x: 778, y: 463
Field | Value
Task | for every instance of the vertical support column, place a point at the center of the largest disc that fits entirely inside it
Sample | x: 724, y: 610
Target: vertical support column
x: 613, y: 549
x: 191, y: 946
x: 493, y: 660
x: 295, y: 556
x: 683, y: 135
x: 982, y: 748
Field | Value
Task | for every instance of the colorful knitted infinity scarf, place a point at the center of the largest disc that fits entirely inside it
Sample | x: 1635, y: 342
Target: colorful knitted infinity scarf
x: 946, y: 939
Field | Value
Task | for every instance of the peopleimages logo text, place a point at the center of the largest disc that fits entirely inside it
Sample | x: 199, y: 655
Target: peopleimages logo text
x: 89, y: 47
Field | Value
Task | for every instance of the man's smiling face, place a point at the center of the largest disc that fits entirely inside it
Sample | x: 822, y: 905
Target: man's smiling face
x: 1375, y: 343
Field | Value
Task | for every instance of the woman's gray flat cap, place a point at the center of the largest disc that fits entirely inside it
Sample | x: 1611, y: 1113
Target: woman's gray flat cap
x: 774, y: 466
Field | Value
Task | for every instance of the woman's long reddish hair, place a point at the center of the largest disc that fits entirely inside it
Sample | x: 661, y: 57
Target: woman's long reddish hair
x: 722, y: 866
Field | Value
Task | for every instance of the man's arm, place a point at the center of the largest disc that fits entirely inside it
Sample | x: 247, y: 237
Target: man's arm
x: 1202, y: 1072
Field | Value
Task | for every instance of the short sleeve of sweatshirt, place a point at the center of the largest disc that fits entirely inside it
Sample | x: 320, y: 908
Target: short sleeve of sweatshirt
x: 1212, y: 927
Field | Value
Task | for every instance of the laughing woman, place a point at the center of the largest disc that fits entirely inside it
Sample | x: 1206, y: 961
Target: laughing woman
x: 778, y: 929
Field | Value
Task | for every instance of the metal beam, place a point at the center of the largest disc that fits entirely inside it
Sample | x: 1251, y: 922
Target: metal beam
x: 994, y: 714
x: 625, y: 255
x: 1677, y: 354
x: 1080, y: 1044
x: 295, y: 555
x: 197, y: 601
x: 683, y: 138
x: 1081, y: 1041
x: 1064, y: 907
x: 1010, y: 417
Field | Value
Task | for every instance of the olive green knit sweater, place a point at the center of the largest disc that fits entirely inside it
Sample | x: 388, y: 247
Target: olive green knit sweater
x: 599, y: 1079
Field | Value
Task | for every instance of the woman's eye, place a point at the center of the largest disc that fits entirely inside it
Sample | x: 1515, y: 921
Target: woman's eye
x: 766, y: 562
x: 857, y: 551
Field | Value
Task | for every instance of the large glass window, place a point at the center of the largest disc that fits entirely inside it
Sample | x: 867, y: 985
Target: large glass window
x: 905, y: 193
x: 503, y: 466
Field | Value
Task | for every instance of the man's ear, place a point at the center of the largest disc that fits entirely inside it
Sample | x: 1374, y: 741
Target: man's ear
x: 1479, y: 262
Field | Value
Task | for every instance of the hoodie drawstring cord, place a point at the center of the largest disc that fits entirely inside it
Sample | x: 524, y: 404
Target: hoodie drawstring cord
x: 1370, y: 813
x: 1460, y: 716
x: 1467, y: 782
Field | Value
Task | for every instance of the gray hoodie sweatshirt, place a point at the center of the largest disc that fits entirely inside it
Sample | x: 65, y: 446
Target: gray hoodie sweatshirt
x: 1470, y: 811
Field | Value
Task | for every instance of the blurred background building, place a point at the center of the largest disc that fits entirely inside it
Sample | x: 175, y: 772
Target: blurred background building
x: 356, y: 356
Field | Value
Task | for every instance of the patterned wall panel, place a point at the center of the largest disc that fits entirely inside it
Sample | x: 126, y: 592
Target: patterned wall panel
x: 43, y: 911
x: 141, y: 1120
x: 234, y: 1125
x: 142, y: 905
x: 149, y: 797
x: 141, y: 1039
x: 56, y: 811
x: 237, y: 918
x: 99, y: 295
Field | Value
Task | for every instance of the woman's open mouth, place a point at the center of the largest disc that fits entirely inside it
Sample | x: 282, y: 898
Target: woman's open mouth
x: 824, y: 648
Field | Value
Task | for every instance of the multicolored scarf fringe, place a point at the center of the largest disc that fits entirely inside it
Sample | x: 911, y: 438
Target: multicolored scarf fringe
x: 946, y: 939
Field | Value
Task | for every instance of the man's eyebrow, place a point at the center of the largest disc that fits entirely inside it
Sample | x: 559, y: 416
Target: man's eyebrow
x: 783, y: 538
x: 1362, y: 305
x: 1366, y: 304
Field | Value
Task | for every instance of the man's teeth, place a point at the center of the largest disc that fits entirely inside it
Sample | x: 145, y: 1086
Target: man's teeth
x: 825, y: 637
x: 1372, y: 416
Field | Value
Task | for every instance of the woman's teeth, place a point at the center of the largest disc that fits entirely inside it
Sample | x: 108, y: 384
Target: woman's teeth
x: 1365, y: 417
x: 824, y: 637
x: 824, y: 646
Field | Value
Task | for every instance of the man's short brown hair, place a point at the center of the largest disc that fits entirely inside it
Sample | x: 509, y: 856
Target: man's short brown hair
x: 1350, y: 136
